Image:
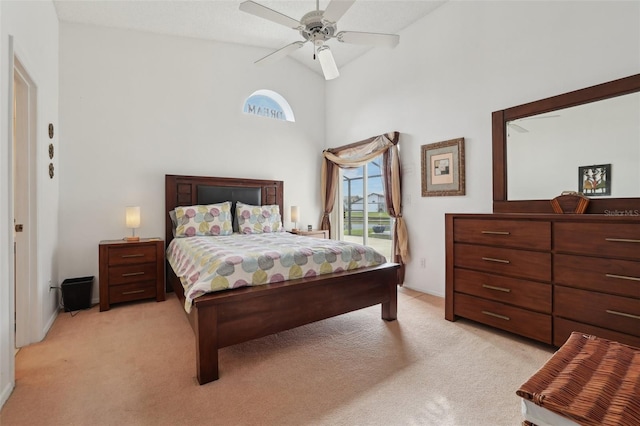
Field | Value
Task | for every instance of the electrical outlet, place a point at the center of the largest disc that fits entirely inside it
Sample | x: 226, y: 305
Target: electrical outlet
x: 423, y: 262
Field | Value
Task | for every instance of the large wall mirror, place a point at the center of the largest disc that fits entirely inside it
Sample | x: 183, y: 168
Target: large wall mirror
x: 539, y: 149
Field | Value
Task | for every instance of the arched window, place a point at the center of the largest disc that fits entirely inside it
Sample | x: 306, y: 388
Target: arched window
x: 267, y: 103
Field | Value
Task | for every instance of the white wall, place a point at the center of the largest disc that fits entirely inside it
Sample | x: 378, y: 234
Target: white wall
x: 135, y: 106
x: 34, y: 27
x: 456, y: 66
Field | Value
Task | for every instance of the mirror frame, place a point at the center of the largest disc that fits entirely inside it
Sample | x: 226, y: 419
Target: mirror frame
x: 500, y: 118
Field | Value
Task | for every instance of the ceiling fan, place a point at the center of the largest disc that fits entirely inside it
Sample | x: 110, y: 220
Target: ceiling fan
x: 318, y: 26
x: 520, y: 129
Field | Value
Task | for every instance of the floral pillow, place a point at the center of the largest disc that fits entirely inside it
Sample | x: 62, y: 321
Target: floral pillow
x: 213, y: 219
x: 258, y: 219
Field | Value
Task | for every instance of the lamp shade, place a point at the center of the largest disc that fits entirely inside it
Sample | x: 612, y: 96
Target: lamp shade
x: 328, y: 64
x: 295, y: 214
x: 132, y: 217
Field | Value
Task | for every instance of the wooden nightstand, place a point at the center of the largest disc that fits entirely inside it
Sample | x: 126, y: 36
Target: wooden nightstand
x: 316, y: 233
x: 131, y: 270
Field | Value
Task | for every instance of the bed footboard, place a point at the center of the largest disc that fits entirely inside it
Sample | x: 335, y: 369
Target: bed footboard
x: 234, y: 316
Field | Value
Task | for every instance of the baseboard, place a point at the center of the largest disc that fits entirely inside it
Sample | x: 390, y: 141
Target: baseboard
x: 49, y: 323
x: 6, y: 393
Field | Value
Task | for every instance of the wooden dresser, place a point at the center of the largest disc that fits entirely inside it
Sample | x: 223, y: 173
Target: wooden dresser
x: 543, y: 276
x: 131, y: 271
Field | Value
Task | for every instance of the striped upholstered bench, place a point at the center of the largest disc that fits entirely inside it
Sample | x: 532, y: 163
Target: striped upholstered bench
x: 588, y: 381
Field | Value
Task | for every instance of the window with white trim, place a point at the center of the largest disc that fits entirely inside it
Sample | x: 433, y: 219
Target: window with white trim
x: 270, y: 104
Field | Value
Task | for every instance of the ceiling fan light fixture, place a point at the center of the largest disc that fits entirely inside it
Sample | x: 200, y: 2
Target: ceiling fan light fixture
x: 328, y: 64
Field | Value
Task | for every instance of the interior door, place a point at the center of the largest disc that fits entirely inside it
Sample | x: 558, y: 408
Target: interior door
x: 23, y: 190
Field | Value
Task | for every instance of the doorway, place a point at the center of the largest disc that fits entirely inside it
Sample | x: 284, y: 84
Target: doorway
x: 363, y: 212
x: 23, y: 173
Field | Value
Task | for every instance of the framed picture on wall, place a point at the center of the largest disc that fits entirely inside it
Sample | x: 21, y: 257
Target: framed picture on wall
x: 594, y: 180
x: 443, y: 168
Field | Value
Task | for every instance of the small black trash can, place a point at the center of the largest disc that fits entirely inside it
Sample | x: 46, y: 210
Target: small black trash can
x: 76, y: 293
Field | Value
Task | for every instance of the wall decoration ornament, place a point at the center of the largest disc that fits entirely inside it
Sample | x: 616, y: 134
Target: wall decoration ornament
x: 50, y: 130
x: 50, y: 151
x: 443, y: 168
x: 51, y: 170
x: 595, y: 180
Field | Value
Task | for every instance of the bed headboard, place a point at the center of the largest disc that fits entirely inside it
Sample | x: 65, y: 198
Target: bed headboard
x: 193, y: 190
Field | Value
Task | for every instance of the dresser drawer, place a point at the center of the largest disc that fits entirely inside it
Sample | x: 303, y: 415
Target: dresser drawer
x: 621, y: 277
x: 132, y: 273
x: 514, y: 263
x: 562, y: 329
x: 506, y: 233
x: 617, y: 313
x: 129, y: 292
x: 598, y: 239
x: 525, y: 294
x: 516, y: 320
x: 131, y: 254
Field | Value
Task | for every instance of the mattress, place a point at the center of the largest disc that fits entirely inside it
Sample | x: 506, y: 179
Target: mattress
x: 213, y: 263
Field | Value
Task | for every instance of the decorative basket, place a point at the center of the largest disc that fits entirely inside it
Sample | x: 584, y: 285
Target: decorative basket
x: 570, y: 202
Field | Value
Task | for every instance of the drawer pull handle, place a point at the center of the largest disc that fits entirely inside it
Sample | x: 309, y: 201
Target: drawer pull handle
x: 125, y: 256
x: 132, y: 274
x: 623, y: 314
x: 133, y: 292
x: 491, y: 314
x: 490, y: 287
x: 622, y: 240
x: 491, y: 259
x: 496, y: 232
x: 622, y: 277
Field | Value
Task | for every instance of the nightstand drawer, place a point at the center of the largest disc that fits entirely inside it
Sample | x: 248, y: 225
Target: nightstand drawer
x: 505, y: 233
x: 131, y: 254
x: 132, y: 273
x: 129, y: 292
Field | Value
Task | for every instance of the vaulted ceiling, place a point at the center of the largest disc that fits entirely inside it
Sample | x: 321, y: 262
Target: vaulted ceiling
x: 222, y: 20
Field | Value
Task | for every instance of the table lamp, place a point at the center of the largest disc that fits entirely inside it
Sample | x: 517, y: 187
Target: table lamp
x: 132, y: 219
x: 295, y: 216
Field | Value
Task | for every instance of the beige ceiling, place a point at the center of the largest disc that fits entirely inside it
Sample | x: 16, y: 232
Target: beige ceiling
x: 223, y: 21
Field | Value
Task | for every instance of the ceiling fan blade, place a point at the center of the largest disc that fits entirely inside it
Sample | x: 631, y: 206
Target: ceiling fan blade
x: 280, y: 53
x: 537, y: 117
x: 517, y: 128
x: 270, y: 14
x: 371, y: 39
x: 335, y: 9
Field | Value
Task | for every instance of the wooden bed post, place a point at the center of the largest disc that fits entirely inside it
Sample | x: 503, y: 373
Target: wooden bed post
x: 206, y: 331
x: 390, y: 308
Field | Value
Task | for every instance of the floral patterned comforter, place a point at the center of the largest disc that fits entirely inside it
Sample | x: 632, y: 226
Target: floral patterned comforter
x: 211, y: 263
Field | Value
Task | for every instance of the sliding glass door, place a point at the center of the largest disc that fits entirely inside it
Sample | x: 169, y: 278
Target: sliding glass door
x: 363, y: 208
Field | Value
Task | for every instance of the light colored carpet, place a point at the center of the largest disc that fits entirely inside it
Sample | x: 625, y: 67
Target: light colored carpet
x: 135, y: 365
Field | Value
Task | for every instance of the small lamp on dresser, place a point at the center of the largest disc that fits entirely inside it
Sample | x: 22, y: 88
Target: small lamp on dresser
x: 132, y: 219
x: 295, y: 217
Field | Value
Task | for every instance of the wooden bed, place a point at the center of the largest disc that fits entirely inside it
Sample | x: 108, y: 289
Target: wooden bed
x: 234, y: 316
